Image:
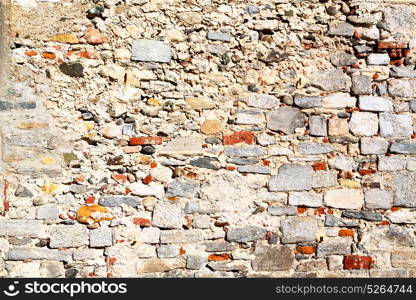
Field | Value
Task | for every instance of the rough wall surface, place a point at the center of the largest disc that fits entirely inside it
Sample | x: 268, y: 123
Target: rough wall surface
x: 210, y: 138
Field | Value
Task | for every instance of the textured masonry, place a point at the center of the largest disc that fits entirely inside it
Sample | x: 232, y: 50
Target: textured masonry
x: 167, y: 138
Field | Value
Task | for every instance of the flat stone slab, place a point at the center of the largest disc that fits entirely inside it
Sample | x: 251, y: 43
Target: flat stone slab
x: 20, y: 227
x: 150, y: 51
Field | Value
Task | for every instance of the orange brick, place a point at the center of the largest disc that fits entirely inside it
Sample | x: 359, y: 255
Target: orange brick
x: 218, y: 257
x: 156, y: 140
x: 30, y: 53
x: 346, y: 232
x: 141, y: 222
x: 48, y: 55
x: 306, y: 249
x: 320, y: 166
x: 239, y: 137
x: 147, y: 179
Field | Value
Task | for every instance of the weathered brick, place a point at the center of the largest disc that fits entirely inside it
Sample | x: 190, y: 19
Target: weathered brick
x: 353, y: 262
x: 134, y: 141
x: 246, y: 137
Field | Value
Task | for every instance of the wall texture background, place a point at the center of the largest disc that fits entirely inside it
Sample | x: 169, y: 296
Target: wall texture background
x: 210, y: 138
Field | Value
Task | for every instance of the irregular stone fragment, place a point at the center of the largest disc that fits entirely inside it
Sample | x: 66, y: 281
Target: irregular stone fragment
x: 378, y: 59
x: 282, y: 210
x: 365, y: 215
x: 338, y: 127
x: 361, y: 85
x: 245, y: 234
x: 299, y: 229
x: 317, y: 126
x: 245, y: 151
x: 206, y: 162
x: 195, y: 262
x: 315, y: 148
x: 17, y: 228
x: 291, y: 177
x: 341, y: 29
x: 219, y: 246
x: 324, y: 179
x: 400, y: 72
x: 405, y: 88
x: 403, y: 258
x: 340, y: 59
x: 392, y: 125
x: 391, y: 163
x: 249, y: 117
x: 263, y: 101
x: 68, y: 236
x: 23, y: 192
x: 364, y: 123
x: 273, y: 258
x: 254, y: 169
x: 344, y: 198
x: 181, y: 236
x: 372, y: 103
x: 335, y: 246
x: 304, y: 101
x: 166, y: 215
x: 307, y: 199
x: 378, y: 199
x: 150, y: 51
x: 402, y: 217
x: 332, y: 221
x: 182, y: 188
x: 219, y: 36
x: 153, y: 265
x: 403, y: 147
x: 72, y: 69
x: 211, y: 127
x: 331, y: 81
x: 374, y: 145
x: 47, y: 212
x: 199, y: 103
x: 112, y: 201
x: 184, y: 146
x: 403, y: 189
x: 39, y: 254
x: 285, y: 119
x: 338, y: 101
x: 101, y: 237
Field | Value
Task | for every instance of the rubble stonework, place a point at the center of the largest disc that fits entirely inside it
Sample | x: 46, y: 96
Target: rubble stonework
x: 166, y: 138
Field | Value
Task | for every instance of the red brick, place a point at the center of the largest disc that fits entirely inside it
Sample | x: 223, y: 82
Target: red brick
x: 356, y: 262
x: 151, y: 140
x: 320, y: 166
x: 89, y: 199
x: 218, y: 257
x: 391, y: 45
x: 306, y: 249
x: 141, y: 222
x: 147, y: 179
x: 366, y: 172
x: 239, y: 137
x: 346, y: 232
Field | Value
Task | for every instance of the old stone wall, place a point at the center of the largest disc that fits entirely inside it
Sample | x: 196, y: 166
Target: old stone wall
x: 208, y: 138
